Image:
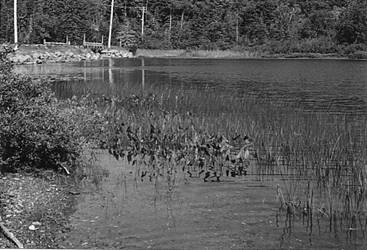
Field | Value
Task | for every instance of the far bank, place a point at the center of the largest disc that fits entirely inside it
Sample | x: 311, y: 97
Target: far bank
x: 244, y: 54
x: 40, y: 54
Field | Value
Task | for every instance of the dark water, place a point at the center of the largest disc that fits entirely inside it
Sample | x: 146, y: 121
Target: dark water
x: 316, y: 85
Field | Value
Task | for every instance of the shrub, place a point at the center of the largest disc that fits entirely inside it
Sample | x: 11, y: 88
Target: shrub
x: 359, y: 55
x: 313, y: 45
x: 353, y: 48
x: 33, y: 132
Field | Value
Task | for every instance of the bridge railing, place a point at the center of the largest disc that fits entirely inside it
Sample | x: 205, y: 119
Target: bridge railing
x: 85, y: 43
x: 92, y: 44
x: 67, y: 42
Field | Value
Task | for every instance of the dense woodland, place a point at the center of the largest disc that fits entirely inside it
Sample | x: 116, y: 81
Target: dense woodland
x: 276, y: 25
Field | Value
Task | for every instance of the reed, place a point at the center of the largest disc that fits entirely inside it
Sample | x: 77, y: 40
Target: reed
x: 318, y: 159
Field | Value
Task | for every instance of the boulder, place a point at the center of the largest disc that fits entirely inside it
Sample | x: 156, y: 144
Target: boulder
x: 21, y: 59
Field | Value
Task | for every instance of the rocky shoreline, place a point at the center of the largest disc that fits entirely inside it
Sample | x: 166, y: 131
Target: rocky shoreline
x: 39, y: 54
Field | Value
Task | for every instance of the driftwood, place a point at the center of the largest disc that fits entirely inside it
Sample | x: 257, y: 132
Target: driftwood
x: 10, y: 235
x: 66, y: 170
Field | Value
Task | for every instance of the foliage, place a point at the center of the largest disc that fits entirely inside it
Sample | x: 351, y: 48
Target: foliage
x: 34, y: 133
x: 188, y: 24
x: 310, y: 45
x: 128, y: 37
x: 352, y: 25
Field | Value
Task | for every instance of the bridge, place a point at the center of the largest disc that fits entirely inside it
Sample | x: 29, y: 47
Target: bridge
x: 93, y: 45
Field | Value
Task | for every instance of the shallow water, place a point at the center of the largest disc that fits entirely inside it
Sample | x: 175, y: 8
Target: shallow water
x: 233, y: 214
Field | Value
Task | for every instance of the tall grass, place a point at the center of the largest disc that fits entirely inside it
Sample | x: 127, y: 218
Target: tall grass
x: 319, y: 159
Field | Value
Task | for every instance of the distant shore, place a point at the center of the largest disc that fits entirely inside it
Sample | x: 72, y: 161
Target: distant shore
x: 39, y: 54
x: 233, y: 54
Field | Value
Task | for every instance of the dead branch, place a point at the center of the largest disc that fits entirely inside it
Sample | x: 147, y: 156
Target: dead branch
x: 10, y: 235
x: 66, y: 170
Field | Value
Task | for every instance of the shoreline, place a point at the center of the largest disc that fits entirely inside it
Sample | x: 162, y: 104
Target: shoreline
x: 231, y: 54
x: 41, y: 54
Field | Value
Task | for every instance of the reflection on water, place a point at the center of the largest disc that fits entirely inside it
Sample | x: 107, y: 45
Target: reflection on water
x: 142, y: 74
x: 317, y: 85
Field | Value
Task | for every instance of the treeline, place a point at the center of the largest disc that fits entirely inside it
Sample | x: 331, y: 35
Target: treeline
x: 277, y: 25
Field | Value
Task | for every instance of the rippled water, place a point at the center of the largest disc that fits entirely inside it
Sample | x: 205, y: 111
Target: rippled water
x: 316, y: 85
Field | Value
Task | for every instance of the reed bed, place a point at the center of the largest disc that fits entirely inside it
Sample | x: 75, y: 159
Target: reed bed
x: 318, y: 159
x: 321, y: 158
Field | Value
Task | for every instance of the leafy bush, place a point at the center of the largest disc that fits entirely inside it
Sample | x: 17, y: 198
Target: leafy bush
x: 313, y: 45
x: 358, y: 55
x: 33, y: 132
x: 353, y: 48
x: 352, y: 25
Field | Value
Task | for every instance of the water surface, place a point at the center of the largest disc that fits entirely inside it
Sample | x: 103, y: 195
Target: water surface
x: 316, y: 85
x: 237, y: 214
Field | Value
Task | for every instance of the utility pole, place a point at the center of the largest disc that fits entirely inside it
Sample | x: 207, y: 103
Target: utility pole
x: 237, y: 30
x: 111, y: 19
x: 15, y: 26
x: 142, y: 21
x: 170, y: 26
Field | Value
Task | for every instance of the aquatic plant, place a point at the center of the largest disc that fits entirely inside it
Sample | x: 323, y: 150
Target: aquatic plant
x: 140, y: 130
x: 318, y: 159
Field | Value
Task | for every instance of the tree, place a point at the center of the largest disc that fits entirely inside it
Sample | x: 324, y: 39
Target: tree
x: 352, y: 25
x: 128, y: 37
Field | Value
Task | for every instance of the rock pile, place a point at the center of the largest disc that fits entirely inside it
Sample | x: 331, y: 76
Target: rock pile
x: 45, y: 57
x: 115, y: 53
x: 63, y: 54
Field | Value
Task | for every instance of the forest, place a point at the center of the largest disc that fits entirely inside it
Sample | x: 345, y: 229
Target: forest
x: 273, y: 25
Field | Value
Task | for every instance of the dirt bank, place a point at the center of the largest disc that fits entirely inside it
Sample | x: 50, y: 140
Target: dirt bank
x: 35, y: 209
